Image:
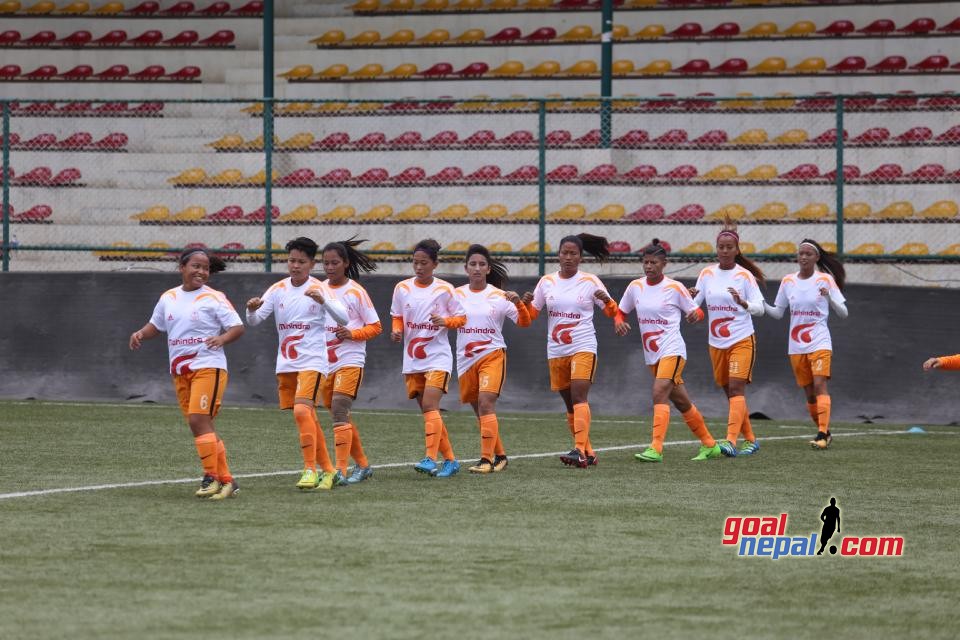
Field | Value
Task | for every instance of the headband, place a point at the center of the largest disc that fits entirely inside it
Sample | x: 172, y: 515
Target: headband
x: 811, y: 245
x: 731, y: 233
x: 185, y: 257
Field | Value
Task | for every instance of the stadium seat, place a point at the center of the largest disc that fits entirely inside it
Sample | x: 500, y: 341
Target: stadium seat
x: 485, y: 173
x: 698, y: 248
x: 371, y: 70
x: 534, y: 247
x: 671, y: 137
x: 800, y: 29
x: 470, y: 36
x: 951, y: 135
x: 156, y: 213
x: 710, y: 138
x: 769, y: 211
x: 850, y: 64
x: 640, y: 173
x: 40, y: 39
x: 297, y: 142
x: 230, y: 213
x: 582, y: 68
x: 751, y: 137
x: 507, y: 34
x: 330, y: 38
x: 940, y: 210
x: 182, y: 39
x: 874, y: 135
x: 620, y: 247
x: 932, y: 63
x: 377, y: 213
x: 563, y: 173
x: 76, y: 39
x: 802, y: 172
x: 43, y: 72
x: 762, y: 30
x: 879, y: 27
x: 889, y: 171
x: 226, y: 177
x: 600, y: 173
x: 687, y: 30
x: 436, y: 36
x: 930, y: 171
x: 545, y: 68
x: 608, y: 212
x: 732, y: 211
x: 838, y: 28
x: 474, y: 69
x: 478, y: 139
x: 36, y: 213
x: 693, y: 67
x: 77, y: 140
x: 373, y: 176
x: 453, y: 212
x: 568, y: 212
x: 528, y: 213
x: 783, y: 247
x: 222, y: 38
x: 494, y: 212
x: 401, y: 37
x: 414, y: 212
x: 438, y: 70
x: 951, y: 27
x: 890, y: 64
x: 857, y: 211
x: 896, y: 210
x: 919, y: 26
x: 372, y: 140
x: 40, y: 141
x: 791, y: 137
x: 151, y: 72
x: 9, y: 38
x: 632, y: 139
x: 646, y: 213
x: 650, y: 32
x: 410, y: 175
x: 178, y: 9
x: 687, y: 213
x: 770, y: 66
x: 915, y: 135
x: 338, y: 214
x: 189, y: 177
x: 811, y: 65
x: 812, y: 211
x: 721, y: 172
x: 523, y: 175
x: 681, y: 172
x: 656, y: 68
x: 903, y: 100
x: 146, y: 39
x: 913, y: 249
x: 298, y: 177
x: 447, y: 175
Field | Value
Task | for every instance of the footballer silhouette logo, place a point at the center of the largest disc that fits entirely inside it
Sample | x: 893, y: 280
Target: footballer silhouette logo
x: 563, y: 332
x: 473, y: 348
x: 650, y: 340
x: 417, y: 348
x: 801, y: 332
x: 720, y: 328
x: 288, y: 348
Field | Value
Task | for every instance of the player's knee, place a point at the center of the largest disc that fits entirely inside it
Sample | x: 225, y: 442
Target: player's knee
x: 487, y: 403
x: 340, y: 408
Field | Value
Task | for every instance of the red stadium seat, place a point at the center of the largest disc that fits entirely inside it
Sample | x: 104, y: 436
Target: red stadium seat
x: 147, y: 8
x: 77, y: 140
x: 646, y: 213
x: 297, y: 177
x: 152, y: 72
x: 215, y: 9
x: 36, y: 108
x: 438, y: 70
x: 372, y: 139
x: 222, y: 38
x: 950, y: 135
x: 724, y: 30
x: 75, y: 107
x: 590, y: 139
x: 376, y: 175
x: 484, y: 174
x: 518, y: 139
x: 543, y: 34
x: 915, y: 135
x: 850, y: 64
x: 76, y: 39
x: 66, y: 176
x: 179, y: 9
x: 111, y: 38
x: 951, y: 27
x: 443, y: 139
x: 827, y: 137
x: 34, y: 214
x: 826, y: 102
x: 45, y: 72
x: 40, y: 39
x: 146, y: 39
x: 563, y: 173
x: 601, y: 173
x: 186, y: 73
x: 260, y: 215
x: 336, y: 176
x: 640, y: 173
x: 941, y: 101
x: 447, y: 175
x: 671, y: 137
x: 115, y: 140
x: 850, y: 172
x: 182, y: 39
x: 108, y: 108
x: 558, y: 138
x: 407, y: 139
x: 473, y: 69
x: 481, y: 138
x: 620, y: 246
x: 509, y: 34
x: 888, y: 171
x: 801, y: 172
x: 410, y: 175
x: 8, y: 38
x: 732, y: 66
x: 252, y: 8
x: 686, y: 30
x: 227, y: 214
x: 148, y: 108
x: 37, y: 176
x: 838, y: 28
x: 879, y: 27
x: 863, y: 100
x: 79, y: 72
x: 41, y: 141
x: 631, y: 139
x: 14, y: 139
x: 227, y: 250
x: 874, y: 135
x: 700, y: 102
x: 403, y: 105
x: 526, y: 173
x: 683, y: 172
x: 116, y: 72
x: 711, y: 138
x: 932, y: 63
x: 919, y: 26
x: 928, y: 172
x: 890, y: 64
x: 903, y: 100
x: 693, y: 67
x: 687, y: 213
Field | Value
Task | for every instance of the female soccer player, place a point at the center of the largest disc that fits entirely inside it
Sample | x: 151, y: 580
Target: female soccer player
x: 481, y: 349
x: 347, y: 352
x: 660, y: 302
x: 811, y: 293
x: 422, y: 310
x: 732, y: 295
x: 569, y: 296
x: 301, y: 306
x: 198, y: 322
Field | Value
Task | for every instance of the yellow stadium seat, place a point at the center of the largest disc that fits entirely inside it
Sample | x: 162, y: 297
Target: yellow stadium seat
x: 896, y: 210
x: 74, y: 9
x: 657, y: 68
x: 333, y: 71
x: 332, y: 37
x: 226, y: 177
x: 260, y: 177
x: 747, y: 247
x: 534, y: 247
x: 114, y: 254
x: 812, y: 211
x: 491, y: 212
x: 460, y: 246
x: 869, y: 249
x: 192, y: 176
x: 500, y: 247
x: 608, y: 212
x: 761, y: 172
x: 299, y: 72
x: 433, y: 5
x: 786, y: 102
x: 546, y: 68
x: 10, y: 6
x: 810, y: 65
x: 529, y: 212
x: 471, y: 35
x: 404, y: 70
x: 367, y: 107
x: 952, y: 250
x: 781, y: 247
x: 793, y: 136
x: 155, y: 213
x: 801, y: 28
x: 303, y: 213
x: 569, y: 212
x: 254, y: 109
x: 770, y: 65
x: 379, y: 212
x: 331, y: 107
x: 403, y: 36
x: 365, y: 5
x: 257, y: 143
x: 534, y: 5
x: 399, y: 5
x: 338, y: 213
x: 582, y: 68
x: 513, y: 105
x: 365, y: 38
x: 770, y: 211
x: 577, y: 34
x: 721, y: 172
x: 940, y: 209
x: 109, y: 9
x: 467, y: 5
x: 229, y: 141
x: 641, y: 3
x: 40, y: 8
x: 698, y: 247
x: 414, y: 212
x: 761, y: 30
x: 382, y: 246
x: 913, y: 249
x: 620, y: 32
x: 622, y: 68
x: 829, y: 246
x: 301, y: 140
x: 371, y: 70
x: 751, y: 136
x: 436, y: 36
x: 295, y: 108
x: 732, y: 211
x: 739, y: 104
x: 856, y: 211
x: 153, y: 255
x: 190, y: 214
x: 508, y: 68
x: 650, y: 32
x: 453, y: 212
x: 502, y: 5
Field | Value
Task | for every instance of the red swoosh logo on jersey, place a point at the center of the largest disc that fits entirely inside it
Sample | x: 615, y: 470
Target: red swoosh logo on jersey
x: 650, y: 340
x: 288, y: 348
x: 473, y: 348
x: 801, y: 332
x: 332, y: 349
x: 181, y: 364
x: 417, y: 348
x: 719, y: 328
x: 562, y: 333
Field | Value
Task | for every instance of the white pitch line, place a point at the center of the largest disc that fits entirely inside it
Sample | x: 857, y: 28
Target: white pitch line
x: 393, y: 465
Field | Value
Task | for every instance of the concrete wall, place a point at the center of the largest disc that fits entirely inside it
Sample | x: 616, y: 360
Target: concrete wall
x: 64, y: 337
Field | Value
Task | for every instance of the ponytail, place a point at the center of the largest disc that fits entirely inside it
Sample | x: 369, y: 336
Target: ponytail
x: 655, y: 248
x: 597, y: 246
x: 828, y: 263
x: 357, y: 261
x: 752, y: 267
x: 217, y: 263
x: 498, y: 271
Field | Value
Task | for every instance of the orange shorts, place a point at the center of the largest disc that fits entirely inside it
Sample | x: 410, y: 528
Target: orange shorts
x: 669, y: 368
x: 345, y: 380
x: 298, y: 385
x: 486, y: 375
x: 417, y: 382
x: 200, y: 391
x: 807, y: 365
x: 579, y: 366
x: 736, y: 361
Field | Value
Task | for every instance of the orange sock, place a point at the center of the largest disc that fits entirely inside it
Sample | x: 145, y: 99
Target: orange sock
x: 747, y: 429
x: 698, y: 426
x: 661, y: 420
x: 489, y: 433
x: 223, y: 470
x: 446, y: 449
x: 207, y: 450
x: 432, y: 429
x: 812, y: 410
x: 581, y: 427
x: 342, y: 441
x: 738, y: 409
x: 323, y: 456
x: 308, y: 435
x: 823, y: 413
x: 498, y: 449
x: 570, y: 424
x: 356, y: 448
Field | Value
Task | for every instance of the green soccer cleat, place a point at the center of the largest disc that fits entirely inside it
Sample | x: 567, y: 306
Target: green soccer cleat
x: 208, y: 487
x: 227, y: 490
x: 706, y: 453
x: 329, y: 480
x: 749, y: 448
x: 649, y: 455
x: 308, y: 480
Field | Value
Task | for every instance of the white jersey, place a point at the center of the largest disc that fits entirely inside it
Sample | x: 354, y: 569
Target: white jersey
x: 660, y: 308
x: 569, y: 303
x: 189, y: 318
x: 729, y: 323
x: 426, y: 346
x: 360, y: 312
x: 301, y: 324
x: 483, y: 332
x: 808, y: 310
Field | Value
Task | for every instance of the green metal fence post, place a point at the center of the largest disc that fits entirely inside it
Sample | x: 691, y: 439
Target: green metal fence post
x: 268, y: 133
x: 5, y: 174
x: 606, y: 71
x: 840, y: 177
x: 542, y: 184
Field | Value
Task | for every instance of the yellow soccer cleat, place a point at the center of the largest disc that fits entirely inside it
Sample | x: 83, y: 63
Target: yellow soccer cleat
x: 329, y: 480
x: 208, y: 487
x: 228, y: 490
x: 309, y: 480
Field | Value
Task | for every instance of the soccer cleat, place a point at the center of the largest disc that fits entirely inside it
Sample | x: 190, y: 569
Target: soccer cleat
x: 574, y: 459
x: 208, y: 487
x: 227, y: 490
x: 727, y: 448
x: 649, y: 455
x: 359, y: 474
x: 428, y: 466
x: 448, y: 468
x: 484, y: 466
x: 749, y: 448
x: 328, y: 480
x: 308, y: 480
x: 821, y: 440
x: 707, y: 453
x: 829, y: 438
x: 591, y: 459
x: 499, y: 463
